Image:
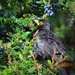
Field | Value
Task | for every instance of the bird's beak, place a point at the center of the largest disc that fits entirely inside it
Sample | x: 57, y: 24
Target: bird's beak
x: 38, y: 22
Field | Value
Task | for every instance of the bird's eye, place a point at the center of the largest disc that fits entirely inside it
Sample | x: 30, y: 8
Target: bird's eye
x: 39, y: 18
x: 44, y: 35
x: 57, y: 53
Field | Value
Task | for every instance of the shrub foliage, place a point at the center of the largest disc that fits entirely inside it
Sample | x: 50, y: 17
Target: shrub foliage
x: 16, y: 27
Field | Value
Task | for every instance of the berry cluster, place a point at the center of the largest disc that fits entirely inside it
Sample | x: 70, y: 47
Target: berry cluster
x: 49, y: 10
x: 1, y: 50
x: 35, y: 18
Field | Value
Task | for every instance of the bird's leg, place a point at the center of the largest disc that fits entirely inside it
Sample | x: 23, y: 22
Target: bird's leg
x: 53, y: 57
x: 61, y: 57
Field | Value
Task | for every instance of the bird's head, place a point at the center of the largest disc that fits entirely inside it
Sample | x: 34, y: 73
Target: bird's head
x: 42, y: 23
x: 38, y: 22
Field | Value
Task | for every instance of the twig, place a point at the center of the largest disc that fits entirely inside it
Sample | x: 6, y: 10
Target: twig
x: 9, y: 56
x: 38, y: 66
x: 49, y: 2
x: 45, y: 15
x: 44, y: 2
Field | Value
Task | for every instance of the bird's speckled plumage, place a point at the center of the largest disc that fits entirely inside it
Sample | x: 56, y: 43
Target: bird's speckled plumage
x: 47, y: 42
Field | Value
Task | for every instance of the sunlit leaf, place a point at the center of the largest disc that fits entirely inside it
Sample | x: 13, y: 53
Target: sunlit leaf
x: 49, y: 62
x: 21, y: 56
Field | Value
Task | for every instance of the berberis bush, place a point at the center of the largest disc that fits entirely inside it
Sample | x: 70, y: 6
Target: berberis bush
x: 16, y: 27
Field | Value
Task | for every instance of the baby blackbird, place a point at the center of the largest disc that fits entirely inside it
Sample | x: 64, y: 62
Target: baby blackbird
x: 49, y: 46
x: 46, y: 44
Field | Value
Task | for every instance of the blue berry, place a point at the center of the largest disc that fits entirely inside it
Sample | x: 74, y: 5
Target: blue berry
x: 32, y: 19
x: 51, y: 8
x: 51, y: 13
x: 48, y: 11
x: 1, y: 47
x: 45, y: 7
x: 38, y: 18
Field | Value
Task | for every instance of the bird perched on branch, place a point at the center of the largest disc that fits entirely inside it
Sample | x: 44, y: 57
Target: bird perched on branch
x: 47, y: 44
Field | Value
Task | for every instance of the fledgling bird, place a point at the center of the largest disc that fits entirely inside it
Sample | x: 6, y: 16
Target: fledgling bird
x: 47, y: 44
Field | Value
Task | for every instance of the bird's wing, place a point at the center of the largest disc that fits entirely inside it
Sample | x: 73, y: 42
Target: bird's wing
x: 46, y: 44
x: 60, y: 46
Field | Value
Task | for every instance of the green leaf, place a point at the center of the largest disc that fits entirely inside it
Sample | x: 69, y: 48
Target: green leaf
x: 21, y: 56
x: 25, y: 34
x: 49, y: 62
x: 68, y: 4
x: 18, y: 30
x: 1, y: 18
x: 0, y: 6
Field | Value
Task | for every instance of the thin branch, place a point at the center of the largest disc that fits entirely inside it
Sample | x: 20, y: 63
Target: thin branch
x: 44, y: 2
x: 49, y: 1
